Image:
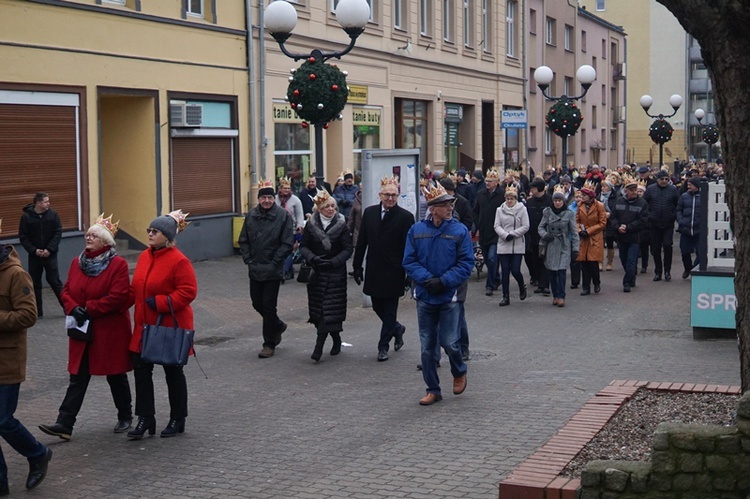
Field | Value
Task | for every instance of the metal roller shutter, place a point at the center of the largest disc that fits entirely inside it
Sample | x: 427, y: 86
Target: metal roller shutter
x: 202, y: 175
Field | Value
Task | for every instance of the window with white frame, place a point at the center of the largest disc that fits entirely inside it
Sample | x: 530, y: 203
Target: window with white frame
x: 194, y: 8
x: 550, y: 36
x: 568, y: 86
x: 116, y: 2
x: 547, y: 141
x: 399, y: 14
x: 601, y: 4
x: 425, y: 17
x: 469, y: 23
x: 487, y: 25
x: 568, y: 37
x: 510, y: 28
x: 448, y: 21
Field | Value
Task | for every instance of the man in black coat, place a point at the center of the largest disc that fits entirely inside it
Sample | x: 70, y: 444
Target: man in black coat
x: 307, y: 194
x: 40, y: 232
x: 662, y: 198
x: 630, y: 216
x: 382, y: 234
x: 488, y: 201
x: 266, y: 239
x: 535, y: 205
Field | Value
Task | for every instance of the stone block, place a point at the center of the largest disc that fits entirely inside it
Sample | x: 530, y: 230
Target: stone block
x: 718, y: 464
x: 704, y: 443
x: 663, y: 462
x: 702, y: 482
x: 728, y: 444
x: 660, y: 481
x: 589, y: 478
x: 743, y: 425
x: 615, y: 479
x: 682, y: 481
x: 590, y: 494
x: 660, y: 441
x: 724, y: 483
x: 745, y: 442
x: 690, y: 463
x: 683, y: 441
x: 743, y: 408
x: 638, y: 482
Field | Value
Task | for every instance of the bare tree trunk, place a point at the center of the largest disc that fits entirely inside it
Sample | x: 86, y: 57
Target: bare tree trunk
x: 721, y: 28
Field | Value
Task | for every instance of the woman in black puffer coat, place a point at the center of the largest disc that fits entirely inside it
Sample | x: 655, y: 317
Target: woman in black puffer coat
x: 326, y: 245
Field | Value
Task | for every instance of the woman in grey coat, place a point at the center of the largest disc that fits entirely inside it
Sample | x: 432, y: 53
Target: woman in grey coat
x: 559, y: 237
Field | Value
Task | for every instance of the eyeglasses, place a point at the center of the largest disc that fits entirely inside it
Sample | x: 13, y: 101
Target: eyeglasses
x: 389, y: 196
x: 151, y: 230
x: 91, y: 236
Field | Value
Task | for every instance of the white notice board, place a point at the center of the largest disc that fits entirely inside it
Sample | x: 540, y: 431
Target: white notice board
x: 378, y: 163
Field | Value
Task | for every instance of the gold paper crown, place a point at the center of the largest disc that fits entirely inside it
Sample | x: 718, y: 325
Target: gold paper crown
x: 642, y: 184
x: 590, y: 185
x: 344, y: 173
x: 180, y: 217
x: 321, y: 197
x: 107, y: 224
x: 493, y: 174
x: 511, y: 189
x: 423, y: 182
x: 558, y: 188
x: 510, y: 172
x: 265, y: 184
x: 392, y: 180
x: 434, y: 192
x: 628, y: 180
x: 285, y: 182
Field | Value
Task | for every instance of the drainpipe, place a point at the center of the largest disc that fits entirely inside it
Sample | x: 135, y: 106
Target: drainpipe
x: 525, y: 85
x: 262, y: 96
x: 625, y: 100
x: 251, y: 92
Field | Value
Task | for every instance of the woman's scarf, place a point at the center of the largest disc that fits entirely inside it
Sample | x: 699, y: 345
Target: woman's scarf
x: 324, y: 235
x: 559, y: 210
x: 93, y: 264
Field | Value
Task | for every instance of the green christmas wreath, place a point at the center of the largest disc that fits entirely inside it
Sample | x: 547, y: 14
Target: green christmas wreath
x: 564, y: 118
x: 317, y: 91
x: 660, y: 131
x: 710, y: 134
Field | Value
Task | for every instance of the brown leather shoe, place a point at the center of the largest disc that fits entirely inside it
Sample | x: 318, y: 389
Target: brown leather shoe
x: 560, y: 302
x: 266, y: 353
x: 555, y: 301
x: 430, y: 399
x: 459, y: 385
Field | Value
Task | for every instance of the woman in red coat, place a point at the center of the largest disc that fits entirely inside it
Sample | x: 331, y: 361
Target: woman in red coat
x: 162, y: 272
x: 97, y: 291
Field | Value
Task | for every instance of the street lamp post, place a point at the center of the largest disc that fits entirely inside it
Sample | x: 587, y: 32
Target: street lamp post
x: 660, y: 130
x: 280, y: 20
x: 709, y: 132
x: 568, y: 119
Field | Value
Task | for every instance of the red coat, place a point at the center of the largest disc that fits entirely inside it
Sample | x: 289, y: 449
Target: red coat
x: 106, y: 298
x: 162, y: 273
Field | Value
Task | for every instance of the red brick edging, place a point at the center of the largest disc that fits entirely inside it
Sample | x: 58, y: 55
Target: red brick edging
x: 537, y: 477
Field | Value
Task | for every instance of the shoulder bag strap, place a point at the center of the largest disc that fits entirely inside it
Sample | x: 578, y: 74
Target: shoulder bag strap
x: 171, y: 310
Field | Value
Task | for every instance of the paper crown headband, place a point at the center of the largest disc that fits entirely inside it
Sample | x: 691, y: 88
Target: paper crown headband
x: 107, y: 224
x: 180, y: 218
x: 321, y: 197
x: 589, y: 188
x: 511, y: 189
x: 265, y: 184
x: 392, y: 180
x: 492, y: 174
x: 436, y: 194
x: 558, y: 188
x: 285, y: 182
x: 510, y: 172
x: 642, y: 184
x: 628, y: 181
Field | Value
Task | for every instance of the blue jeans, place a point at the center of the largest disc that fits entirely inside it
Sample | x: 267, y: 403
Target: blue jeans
x: 491, y: 263
x: 14, y: 432
x: 463, y: 329
x: 557, y: 283
x: 289, y: 264
x: 688, y: 246
x: 438, y: 326
x: 629, y: 253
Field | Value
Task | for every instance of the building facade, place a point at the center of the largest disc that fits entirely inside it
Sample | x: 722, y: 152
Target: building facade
x: 565, y: 37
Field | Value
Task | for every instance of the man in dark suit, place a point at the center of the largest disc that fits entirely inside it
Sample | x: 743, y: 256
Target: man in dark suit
x: 383, y: 234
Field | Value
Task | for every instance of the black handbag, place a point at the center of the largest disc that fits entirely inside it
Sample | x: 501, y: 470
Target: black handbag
x: 305, y: 273
x: 166, y: 345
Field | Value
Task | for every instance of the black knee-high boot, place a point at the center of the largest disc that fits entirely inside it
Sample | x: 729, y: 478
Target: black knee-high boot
x: 336, y: 348
x: 318, y: 351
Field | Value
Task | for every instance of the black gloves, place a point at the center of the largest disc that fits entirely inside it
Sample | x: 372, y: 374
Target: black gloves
x: 434, y: 286
x: 359, y: 276
x: 80, y: 315
x: 509, y: 237
x: 548, y: 238
x: 151, y: 302
x: 584, y: 233
x: 321, y: 263
x: 574, y: 256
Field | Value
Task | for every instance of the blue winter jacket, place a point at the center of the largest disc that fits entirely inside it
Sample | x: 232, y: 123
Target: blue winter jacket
x: 344, y: 195
x: 445, y: 252
x: 689, y: 213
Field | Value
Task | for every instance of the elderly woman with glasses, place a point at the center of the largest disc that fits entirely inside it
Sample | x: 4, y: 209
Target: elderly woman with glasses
x: 97, y: 296
x: 326, y: 245
x: 511, y: 223
x: 164, y: 281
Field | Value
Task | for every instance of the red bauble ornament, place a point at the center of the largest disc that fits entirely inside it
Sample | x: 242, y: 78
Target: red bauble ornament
x: 296, y: 93
x: 552, y: 111
x: 311, y: 60
x: 294, y: 105
x: 312, y: 76
x: 335, y: 88
x: 304, y: 123
x: 325, y: 127
x: 565, y: 121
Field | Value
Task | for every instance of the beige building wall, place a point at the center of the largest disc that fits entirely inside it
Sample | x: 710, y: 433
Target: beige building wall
x: 656, y: 66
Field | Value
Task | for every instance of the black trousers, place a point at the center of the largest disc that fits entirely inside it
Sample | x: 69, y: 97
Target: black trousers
x: 144, y: 389
x: 644, y: 251
x: 575, y: 273
x: 536, y: 267
x: 387, y: 310
x: 265, y: 296
x: 662, y: 238
x: 71, y: 404
x: 590, y: 272
x: 48, y: 265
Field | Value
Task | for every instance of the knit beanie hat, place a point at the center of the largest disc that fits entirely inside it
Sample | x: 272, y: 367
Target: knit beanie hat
x: 558, y: 195
x: 538, y: 184
x: 696, y: 181
x: 166, y: 225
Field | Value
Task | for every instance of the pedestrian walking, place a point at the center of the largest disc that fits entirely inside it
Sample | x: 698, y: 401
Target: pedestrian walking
x: 559, y: 237
x: 382, y: 236
x: 326, y: 245
x: 17, y: 314
x: 487, y: 202
x: 439, y: 258
x: 591, y: 221
x: 630, y: 216
x: 97, y: 291
x: 266, y: 240
x: 511, y: 225
x: 689, y: 225
x: 535, y: 205
x: 344, y: 194
x: 293, y: 206
x: 164, y: 285
x: 662, y: 198
x: 39, y: 232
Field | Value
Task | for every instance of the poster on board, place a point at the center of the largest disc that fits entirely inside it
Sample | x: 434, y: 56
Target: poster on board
x: 379, y: 163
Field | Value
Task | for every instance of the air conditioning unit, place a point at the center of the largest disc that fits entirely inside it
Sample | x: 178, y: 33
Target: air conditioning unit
x: 620, y: 71
x: 184, y: 115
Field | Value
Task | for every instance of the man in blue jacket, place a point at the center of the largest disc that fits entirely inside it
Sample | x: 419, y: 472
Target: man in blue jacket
x: 439, y: 258
x: 689, y: 225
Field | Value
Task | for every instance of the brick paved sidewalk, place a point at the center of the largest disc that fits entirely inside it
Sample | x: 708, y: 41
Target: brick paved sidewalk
x: 350, y: 426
